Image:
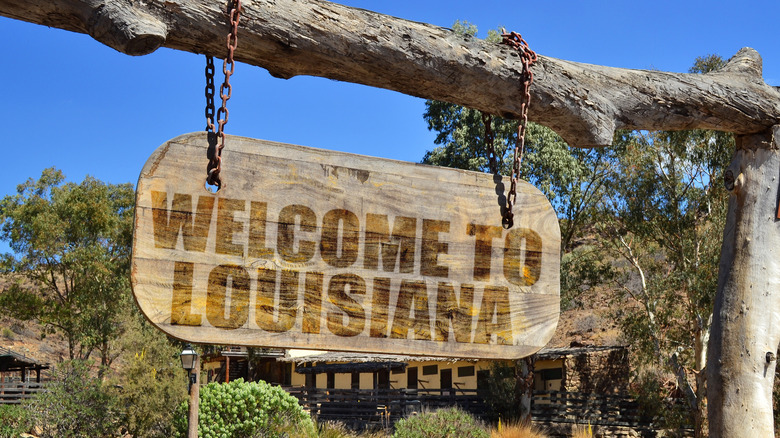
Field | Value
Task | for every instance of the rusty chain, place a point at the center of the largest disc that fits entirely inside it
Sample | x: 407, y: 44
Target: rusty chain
x: 528, y: 58
x: 225, y: 91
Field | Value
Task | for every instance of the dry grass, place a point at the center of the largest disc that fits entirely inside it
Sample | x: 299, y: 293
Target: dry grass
x: 583, y: 432
x: 516, y: 430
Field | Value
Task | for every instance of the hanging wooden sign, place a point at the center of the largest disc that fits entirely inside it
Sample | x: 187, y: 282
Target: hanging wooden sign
x: 307, y: 248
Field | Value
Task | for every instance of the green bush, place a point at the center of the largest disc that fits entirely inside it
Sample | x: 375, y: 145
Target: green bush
x: 76, y: 404
x: 14, y: 420
x: 499, y: 391
x: 152, y: 381
x: 247, y: 410
x: 444, y: 423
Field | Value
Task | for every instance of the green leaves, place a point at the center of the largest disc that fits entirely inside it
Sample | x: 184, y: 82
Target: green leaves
x: 245, y: 410
x: 71, y: 258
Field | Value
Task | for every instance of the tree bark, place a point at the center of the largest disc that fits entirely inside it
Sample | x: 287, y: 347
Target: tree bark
x: 584, y: 103
x: 746, y: 317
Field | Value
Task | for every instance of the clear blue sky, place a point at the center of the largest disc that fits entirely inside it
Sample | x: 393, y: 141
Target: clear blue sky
x: 70, y: 102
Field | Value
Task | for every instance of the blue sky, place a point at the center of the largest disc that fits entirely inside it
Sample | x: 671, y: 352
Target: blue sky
x: 73, y: 103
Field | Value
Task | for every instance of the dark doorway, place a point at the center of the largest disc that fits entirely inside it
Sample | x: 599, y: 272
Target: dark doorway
x: 411, y: 378
x: 446, y: 380
x: 382, y: 379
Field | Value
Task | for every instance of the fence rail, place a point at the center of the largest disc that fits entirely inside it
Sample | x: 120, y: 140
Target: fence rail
x: 582, y: 408
x: 15, y: 392
x: 366, y: 408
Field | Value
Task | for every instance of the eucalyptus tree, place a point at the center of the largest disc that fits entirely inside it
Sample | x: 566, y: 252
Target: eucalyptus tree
x: 69, y: 269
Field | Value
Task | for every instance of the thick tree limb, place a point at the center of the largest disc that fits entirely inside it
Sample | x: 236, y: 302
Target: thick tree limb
x: 583, y: 103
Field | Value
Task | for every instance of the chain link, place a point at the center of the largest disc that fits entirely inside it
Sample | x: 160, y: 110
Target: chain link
x: 210, y: 90
x: 528, y: 58
x: 225, y: 91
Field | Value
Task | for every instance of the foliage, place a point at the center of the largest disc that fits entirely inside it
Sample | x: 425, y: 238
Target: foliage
x: 583, y: 432
x: 573, y: 179
x: 333, y: 429
x: 644, y: 217
x: 246, y: 410
x: 444, y: 423
x: 658, y: 404
x: 14, y: 420
x: 499, y: 392
x: 516, y: 430
x: 664, y: 219
x: 70, y: 265
x: 76, y: 404
x: 151, y: 379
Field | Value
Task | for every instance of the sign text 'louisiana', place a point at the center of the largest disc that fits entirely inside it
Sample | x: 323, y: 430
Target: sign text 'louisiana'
x: 305, y: 248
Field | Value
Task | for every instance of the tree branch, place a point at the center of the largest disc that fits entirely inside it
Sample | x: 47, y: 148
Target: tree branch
x: 584, y: 103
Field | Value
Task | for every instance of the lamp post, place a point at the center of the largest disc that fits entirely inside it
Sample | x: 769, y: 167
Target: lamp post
x: 191, y: 362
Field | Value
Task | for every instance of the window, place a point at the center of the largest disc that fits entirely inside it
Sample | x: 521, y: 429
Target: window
x: 331, y: 380
x: 430, y: 370
x: 355, y: 381
x: 466, y: 371
x: 552, y: 374
x: 311, y: 381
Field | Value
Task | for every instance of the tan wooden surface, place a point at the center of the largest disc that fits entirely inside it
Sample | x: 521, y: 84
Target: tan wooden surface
x: 307, y: 248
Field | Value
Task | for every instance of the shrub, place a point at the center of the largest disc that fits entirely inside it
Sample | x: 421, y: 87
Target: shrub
x: 8, y: 333
x: 499, y: 392
x: 444, y: 423
x: 246, y: 410
x: 516, y: 430
x: 152, y: 382
x: 14, y: 420
x: 75, y: 404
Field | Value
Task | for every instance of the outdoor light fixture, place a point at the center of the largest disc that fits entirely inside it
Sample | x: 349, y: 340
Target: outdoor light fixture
x: 188, y: 357
x: 188, y: 360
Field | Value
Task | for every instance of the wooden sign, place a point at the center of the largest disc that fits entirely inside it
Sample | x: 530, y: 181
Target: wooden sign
x: 307, y: 248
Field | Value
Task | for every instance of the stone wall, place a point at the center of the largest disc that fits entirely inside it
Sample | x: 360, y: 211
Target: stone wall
x: 599, y: 371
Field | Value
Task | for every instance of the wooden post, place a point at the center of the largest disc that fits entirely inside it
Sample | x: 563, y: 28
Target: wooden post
x: 746, y: 318
x: 192, y: 430
x: 227, y: 369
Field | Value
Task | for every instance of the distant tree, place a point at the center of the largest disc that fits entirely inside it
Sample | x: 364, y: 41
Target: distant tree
x: 70, y: 262
x: 75, y: 404
x: 573, y: 179
x: 664, y: 215
x: 150, y: 379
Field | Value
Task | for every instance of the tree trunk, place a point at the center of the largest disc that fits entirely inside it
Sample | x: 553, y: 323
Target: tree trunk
x: 745, y: 331
x: 583, y: 103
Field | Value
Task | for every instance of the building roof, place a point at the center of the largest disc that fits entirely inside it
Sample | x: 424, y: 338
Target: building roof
x: 336, y: 356
x: 342, y: 362
x: 558, y: 353
x: 11, y: 361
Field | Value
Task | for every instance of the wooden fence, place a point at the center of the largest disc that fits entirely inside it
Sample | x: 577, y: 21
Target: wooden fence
x: 15, y: 392
x: 582, y: 408
x: 380, y: 408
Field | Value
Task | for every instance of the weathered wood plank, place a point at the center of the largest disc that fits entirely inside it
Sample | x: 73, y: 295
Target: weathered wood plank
x: 584, y: 103
x: 306, y: 248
